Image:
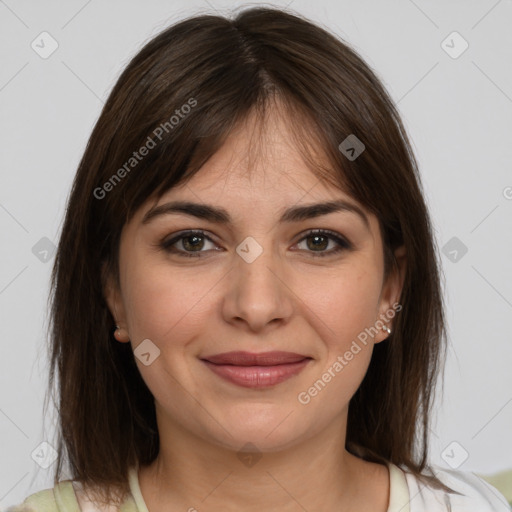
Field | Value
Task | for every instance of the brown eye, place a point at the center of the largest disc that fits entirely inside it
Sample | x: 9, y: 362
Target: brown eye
x: 191, y: 242
x: 318, y: 241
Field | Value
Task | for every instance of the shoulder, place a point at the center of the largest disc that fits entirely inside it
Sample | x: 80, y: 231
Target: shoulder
x: 48, y: 500
x: 67, y: 496
x: 474, y: 493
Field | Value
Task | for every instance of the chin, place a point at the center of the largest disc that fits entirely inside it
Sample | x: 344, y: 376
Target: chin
x: 247, y: 442
x: 258, y: 433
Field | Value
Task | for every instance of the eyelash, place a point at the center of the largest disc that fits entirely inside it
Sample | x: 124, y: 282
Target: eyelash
x: 343, y: 244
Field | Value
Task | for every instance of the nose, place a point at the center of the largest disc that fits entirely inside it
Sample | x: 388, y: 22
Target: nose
x: 258, y: 293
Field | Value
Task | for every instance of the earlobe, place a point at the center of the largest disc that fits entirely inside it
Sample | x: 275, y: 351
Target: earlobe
x: 121, y: 335
x: 395, y: 280
x: 391, y: 293
x: 115, y: 306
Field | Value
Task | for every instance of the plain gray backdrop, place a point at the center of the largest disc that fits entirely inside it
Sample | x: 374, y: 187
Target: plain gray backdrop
x: 456, y: 103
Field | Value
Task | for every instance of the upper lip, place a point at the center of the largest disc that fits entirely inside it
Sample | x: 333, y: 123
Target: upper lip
x: 256, y: 359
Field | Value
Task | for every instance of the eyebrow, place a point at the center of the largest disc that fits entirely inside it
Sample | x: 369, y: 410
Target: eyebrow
x: 221, y: 216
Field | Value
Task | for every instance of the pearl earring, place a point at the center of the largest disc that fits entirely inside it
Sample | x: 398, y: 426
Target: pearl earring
x: 387, y: 329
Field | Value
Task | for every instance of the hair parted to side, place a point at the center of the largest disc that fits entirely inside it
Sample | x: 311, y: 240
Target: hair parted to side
x: 262, y: 60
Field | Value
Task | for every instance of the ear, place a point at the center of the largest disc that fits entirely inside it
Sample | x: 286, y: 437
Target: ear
x: 388, y: 305
x: 115, y: 304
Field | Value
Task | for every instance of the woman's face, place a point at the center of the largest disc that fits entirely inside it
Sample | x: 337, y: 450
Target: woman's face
x: 256, y: 284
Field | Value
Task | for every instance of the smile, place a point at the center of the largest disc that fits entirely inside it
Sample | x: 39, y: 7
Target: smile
x: 256, y: 370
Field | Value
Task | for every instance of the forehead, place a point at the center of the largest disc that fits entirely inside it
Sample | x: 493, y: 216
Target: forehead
x: 264, y: 166
x: 261, y: 157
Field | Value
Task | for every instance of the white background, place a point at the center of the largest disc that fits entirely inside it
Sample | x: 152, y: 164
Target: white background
x: 458, y: 113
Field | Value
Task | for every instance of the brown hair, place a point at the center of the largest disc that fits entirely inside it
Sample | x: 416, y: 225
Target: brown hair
x: 180, y: 96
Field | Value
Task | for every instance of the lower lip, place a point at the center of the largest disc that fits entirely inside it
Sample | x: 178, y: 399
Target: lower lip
x: 257, y: 376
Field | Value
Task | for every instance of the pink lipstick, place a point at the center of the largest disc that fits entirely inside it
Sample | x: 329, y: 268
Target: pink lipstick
x: 256, y: 370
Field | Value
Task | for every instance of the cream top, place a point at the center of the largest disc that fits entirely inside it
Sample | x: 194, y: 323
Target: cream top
x: 406, y: 494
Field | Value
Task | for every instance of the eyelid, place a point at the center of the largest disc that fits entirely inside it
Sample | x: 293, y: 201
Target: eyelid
x: 343, y: 244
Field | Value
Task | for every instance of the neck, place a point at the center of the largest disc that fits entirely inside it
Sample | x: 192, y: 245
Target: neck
x: 190, y: 473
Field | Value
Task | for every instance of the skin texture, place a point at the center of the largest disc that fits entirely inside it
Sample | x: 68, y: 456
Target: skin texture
x: 286, y: 299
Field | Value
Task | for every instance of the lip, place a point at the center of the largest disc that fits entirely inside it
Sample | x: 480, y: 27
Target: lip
x: 256, y: 370
x: 240, y: 358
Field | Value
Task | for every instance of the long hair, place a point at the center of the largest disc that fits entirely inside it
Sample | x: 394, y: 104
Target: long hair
x: 179, y: 98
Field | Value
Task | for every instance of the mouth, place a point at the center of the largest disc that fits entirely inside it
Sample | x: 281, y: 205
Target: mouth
x: 256, y: 370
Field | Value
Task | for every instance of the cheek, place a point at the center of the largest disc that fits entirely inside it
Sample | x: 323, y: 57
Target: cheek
x: 344, y: 303
x: 160, y: 303
x: 344, y: 308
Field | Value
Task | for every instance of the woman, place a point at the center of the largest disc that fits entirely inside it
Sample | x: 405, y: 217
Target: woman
x: 247, y: 312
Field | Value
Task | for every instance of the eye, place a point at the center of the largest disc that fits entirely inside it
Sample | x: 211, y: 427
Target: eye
x: 190, y: 241
x: 320, y: 240
x: 193, y: 241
